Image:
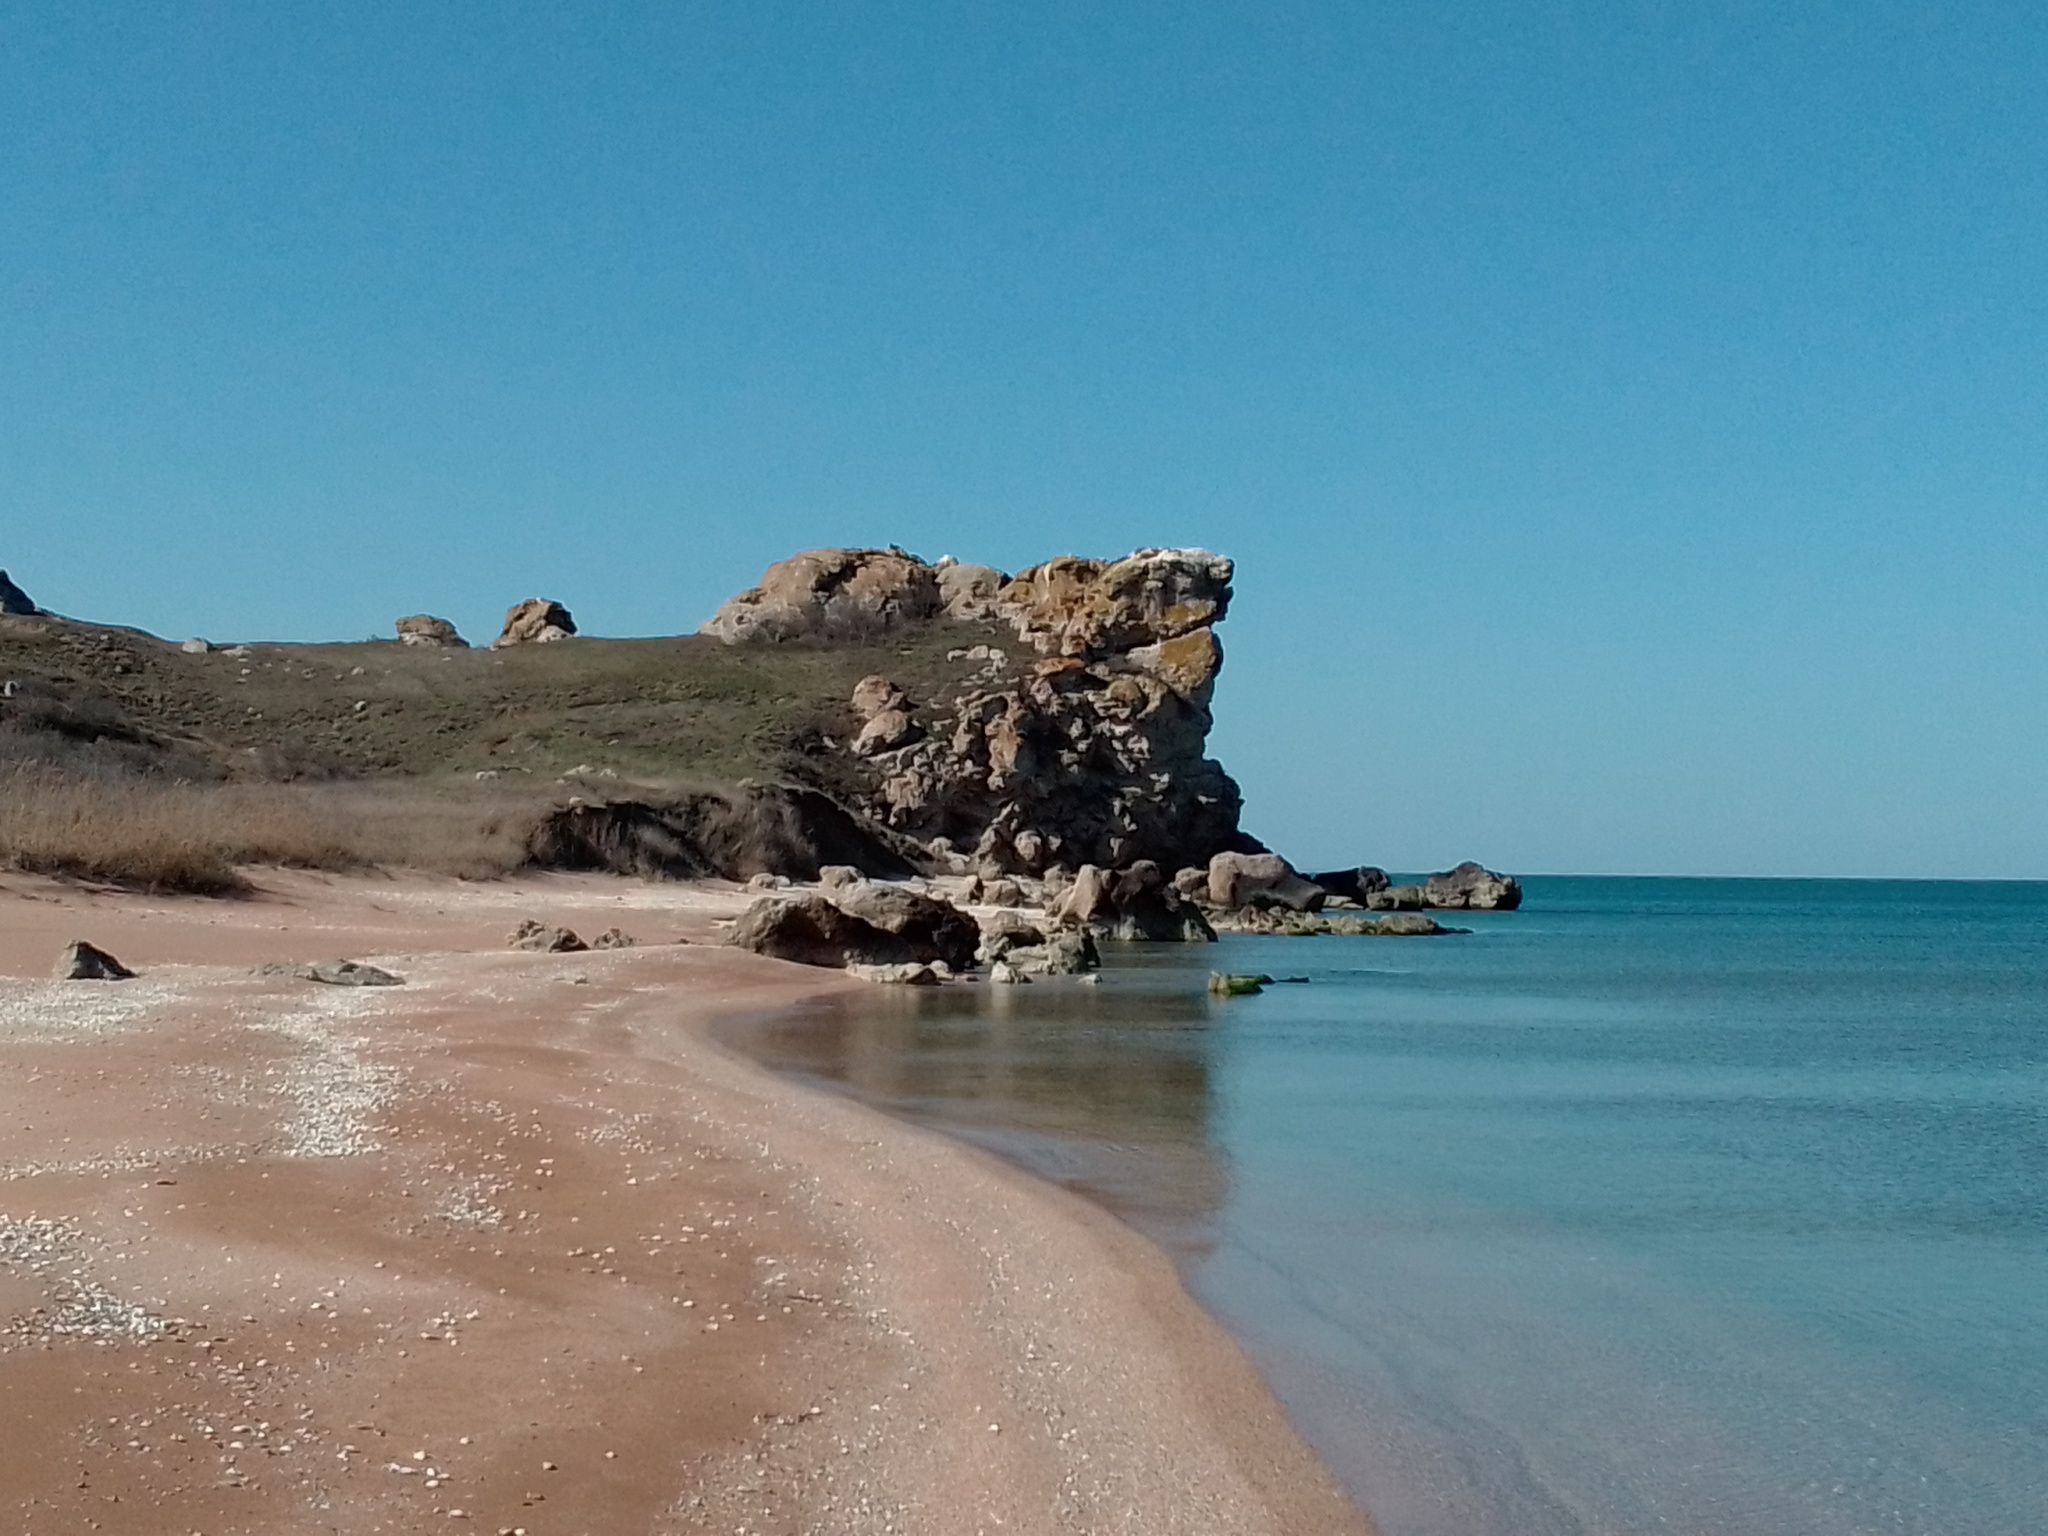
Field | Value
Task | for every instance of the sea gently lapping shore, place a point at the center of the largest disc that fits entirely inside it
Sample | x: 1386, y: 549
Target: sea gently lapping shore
x: 514, y: 1247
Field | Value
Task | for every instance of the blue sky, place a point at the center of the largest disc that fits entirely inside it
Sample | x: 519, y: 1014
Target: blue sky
x: 1628, y: 418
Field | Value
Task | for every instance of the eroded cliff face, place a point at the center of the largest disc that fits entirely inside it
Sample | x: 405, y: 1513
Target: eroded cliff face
x: 1080, y: 738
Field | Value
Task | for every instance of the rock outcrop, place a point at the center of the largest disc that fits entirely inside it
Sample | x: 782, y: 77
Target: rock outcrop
x: 1471, y: 887
x: 771, y: 829
x: 1091, y: 752
x: 425, y: 629
x: 15, y: 601
x: 534, y: 622
x: 831, y: 594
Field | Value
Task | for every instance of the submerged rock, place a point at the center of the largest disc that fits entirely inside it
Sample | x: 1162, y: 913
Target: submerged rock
x: 1225, y: 984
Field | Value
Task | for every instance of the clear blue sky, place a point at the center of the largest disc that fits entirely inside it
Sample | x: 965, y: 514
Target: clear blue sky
x: 1628, y: 418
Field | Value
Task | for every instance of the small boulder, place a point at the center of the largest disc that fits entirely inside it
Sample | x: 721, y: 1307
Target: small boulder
x: 1004, y: 974
x: 534, y: 622
x: 425, y: 629
x: 835, y: 876
x: 346, y: 973
x: 196, y: 647
x: 88, y: 962
x: 1471, y: 886
x: 1259, y: 879
x: 543, y: 939
x: 613, y: 938
x: 15, y: 601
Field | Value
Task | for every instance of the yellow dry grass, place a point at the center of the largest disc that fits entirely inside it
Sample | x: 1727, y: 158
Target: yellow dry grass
x: 158, y: 836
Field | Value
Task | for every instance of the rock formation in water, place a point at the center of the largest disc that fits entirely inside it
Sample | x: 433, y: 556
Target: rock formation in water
x: 1088, y: 749
x: 1472, y: 887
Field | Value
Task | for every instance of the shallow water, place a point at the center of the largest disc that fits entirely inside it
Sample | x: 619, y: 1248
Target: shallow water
x: 1701, y: 1206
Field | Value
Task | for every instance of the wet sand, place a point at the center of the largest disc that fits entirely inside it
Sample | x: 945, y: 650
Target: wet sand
x: 517, y: 1248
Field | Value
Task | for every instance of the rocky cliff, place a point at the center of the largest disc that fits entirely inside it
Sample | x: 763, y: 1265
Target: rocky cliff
x: 1080, y: 737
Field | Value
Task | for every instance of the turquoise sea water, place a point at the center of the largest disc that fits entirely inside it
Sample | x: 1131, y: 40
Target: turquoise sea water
x: 1659, y: 1205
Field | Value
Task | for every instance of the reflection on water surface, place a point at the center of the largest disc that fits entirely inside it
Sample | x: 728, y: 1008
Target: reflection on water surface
x: 1106, y: 1089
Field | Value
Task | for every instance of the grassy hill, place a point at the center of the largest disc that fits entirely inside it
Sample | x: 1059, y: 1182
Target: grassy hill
x: 383, y: 753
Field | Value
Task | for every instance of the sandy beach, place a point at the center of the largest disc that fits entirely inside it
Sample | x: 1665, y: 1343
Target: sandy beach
x: 516, y: 1248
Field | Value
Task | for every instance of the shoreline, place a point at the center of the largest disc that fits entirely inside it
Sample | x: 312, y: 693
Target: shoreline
x: 886, y: 1328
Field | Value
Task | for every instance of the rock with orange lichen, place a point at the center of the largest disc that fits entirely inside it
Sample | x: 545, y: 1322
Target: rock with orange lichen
x: 1094, y: 752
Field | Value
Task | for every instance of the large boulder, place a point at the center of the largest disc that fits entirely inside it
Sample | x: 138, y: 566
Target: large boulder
x: 1262, y: 880
x: 536, y: 621
x: 1471, y: 887
x: 1353, y: 884
x: 837, y: 594
x: 812, y: 931
x: 13, y: 600
x: 934, y: 929
x: 425, y: 629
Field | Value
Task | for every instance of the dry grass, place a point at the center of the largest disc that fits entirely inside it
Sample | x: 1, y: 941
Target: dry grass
x: 166, y: 837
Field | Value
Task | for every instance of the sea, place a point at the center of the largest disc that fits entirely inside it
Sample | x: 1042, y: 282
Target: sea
x: 1659, y: 1205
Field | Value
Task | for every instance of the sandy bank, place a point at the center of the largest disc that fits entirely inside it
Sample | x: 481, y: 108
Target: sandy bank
x: 515, y: 1248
